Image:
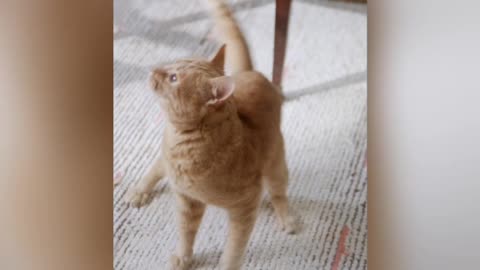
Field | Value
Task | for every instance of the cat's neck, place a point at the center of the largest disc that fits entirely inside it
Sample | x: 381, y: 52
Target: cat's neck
x: 223, y: 129
x: 226, y: 114
x: 224, y: 118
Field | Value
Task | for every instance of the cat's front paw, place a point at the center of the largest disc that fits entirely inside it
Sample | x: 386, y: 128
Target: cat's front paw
x: 179, y: 263
x: 232, y: 263
x: 137, y: 198
x: 229, y: 267
x: 291, y: 224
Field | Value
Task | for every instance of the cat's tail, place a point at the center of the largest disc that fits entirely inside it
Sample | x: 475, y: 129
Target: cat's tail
x: 237, y: 54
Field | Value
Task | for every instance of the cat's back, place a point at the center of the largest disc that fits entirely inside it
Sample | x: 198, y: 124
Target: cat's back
x: 258, y: 100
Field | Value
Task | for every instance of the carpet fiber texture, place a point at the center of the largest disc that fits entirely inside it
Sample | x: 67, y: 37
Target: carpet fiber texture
x: 324, y: 125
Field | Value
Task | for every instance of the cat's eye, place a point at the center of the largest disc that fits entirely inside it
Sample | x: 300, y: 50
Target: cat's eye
x: 172, y: 77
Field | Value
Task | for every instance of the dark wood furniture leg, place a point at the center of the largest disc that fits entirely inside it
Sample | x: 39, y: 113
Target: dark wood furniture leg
x: 282, y: 14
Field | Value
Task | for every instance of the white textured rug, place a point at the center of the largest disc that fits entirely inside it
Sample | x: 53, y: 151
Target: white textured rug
x: 324, y: 125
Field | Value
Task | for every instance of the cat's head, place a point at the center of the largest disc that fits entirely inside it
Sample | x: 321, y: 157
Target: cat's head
x: 190, y: 89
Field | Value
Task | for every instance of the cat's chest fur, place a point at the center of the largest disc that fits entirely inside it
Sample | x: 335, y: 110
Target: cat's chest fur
x: 205, y: 164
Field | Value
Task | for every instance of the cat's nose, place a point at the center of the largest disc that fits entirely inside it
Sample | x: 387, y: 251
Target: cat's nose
x: 156, y: 76
x: 159, y: 74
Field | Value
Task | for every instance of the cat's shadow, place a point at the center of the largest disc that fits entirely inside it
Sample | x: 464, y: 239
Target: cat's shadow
x: 210, y: 259
x: 206, y: 259
x: 159, y: 191
x: 303, y: 207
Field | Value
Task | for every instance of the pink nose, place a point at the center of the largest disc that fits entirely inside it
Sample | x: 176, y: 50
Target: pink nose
x: 157, y: 76
x: 159, y: 73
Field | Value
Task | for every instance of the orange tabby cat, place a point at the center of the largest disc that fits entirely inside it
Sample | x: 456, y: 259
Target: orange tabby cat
x: 222, y: 143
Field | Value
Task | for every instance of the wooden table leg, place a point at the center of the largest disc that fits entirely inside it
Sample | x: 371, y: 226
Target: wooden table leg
x: 282, y: 14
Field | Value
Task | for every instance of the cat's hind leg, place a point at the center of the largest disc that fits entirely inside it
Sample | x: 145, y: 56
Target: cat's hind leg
x: 276, y: 180
x: 140, y: 194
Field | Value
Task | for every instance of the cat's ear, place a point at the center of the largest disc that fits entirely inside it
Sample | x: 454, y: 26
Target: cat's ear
x: 222, y: 89
x: 219, y: 59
